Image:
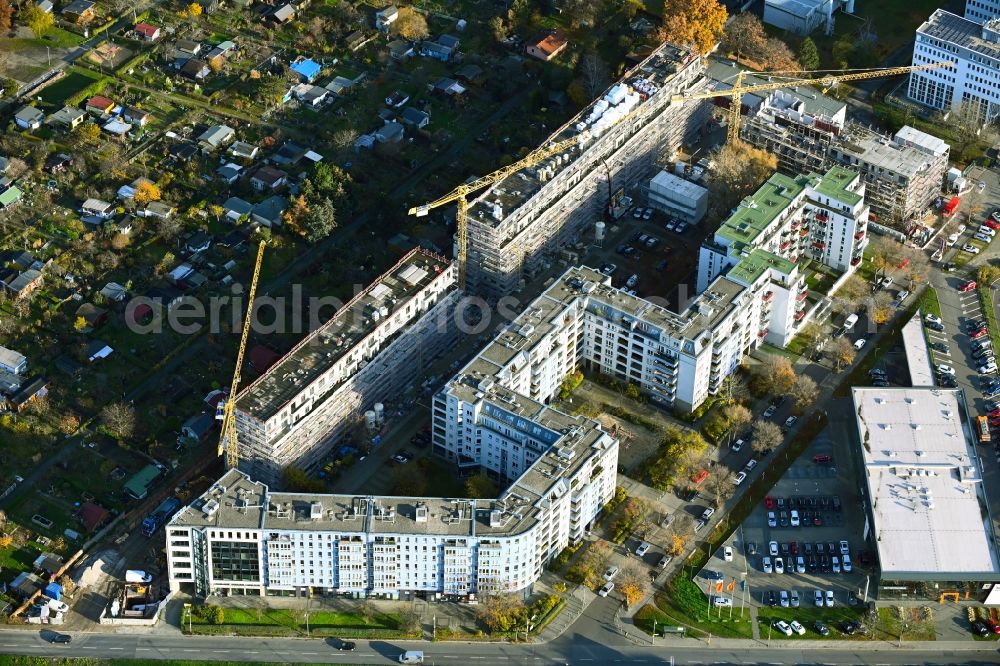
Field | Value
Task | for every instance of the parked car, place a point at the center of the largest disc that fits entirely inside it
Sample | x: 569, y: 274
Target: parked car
x: 795, y: 518
x: 821, y: 628
x: 62, y: 639
x: 771, y: 520
x: 707, y: 513
x: 664, y: 561
x: 979, y: 628
x: 970, y: 248
x: 769, y: 412
x: 849, y: 627
x: 606, y: 589
x: 945, y: 369
x: 829, y: 598
x: 739, y: 478
x: 642, y: 549
x: 790, y: 421
x: 611, y: 573
x: 766, y: 565
x: 783, y: 598
x: 932, y: 319
x: 859, y: 343
x: 737, y: 445
x: 783, y: 627
x: 779, y: 565
x: 982, y: 238
x: 722, y: 602
x: 967, y: 286
x: 797, y: 628
x: 818, y: 598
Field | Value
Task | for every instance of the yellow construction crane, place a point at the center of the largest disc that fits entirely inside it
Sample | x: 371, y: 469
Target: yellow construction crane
x: 824, y: 81
x: 460, y: 193
x: 227, y: 439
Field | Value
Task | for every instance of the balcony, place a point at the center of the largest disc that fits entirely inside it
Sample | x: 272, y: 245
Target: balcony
x: 855, y: 261
x: 822, y: 216
x: 799, y: 315
x: 762, y: 334
x: 802, y: 296
x: 768, y: 296
x: 858, y: 236
x: 786, y: 245
x: 819, y: 245
x: 795, y: 225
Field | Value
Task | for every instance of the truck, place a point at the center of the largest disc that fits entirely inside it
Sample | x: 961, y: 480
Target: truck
x: 152, y: 522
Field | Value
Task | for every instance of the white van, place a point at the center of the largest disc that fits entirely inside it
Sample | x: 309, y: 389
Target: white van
x: 850, y: 322
x: 411, y: 657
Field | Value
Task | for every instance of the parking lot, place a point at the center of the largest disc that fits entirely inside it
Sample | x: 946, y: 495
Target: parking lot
x: 814, y: 487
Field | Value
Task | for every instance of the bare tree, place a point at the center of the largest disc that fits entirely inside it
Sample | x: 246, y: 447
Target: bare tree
x: 766, y: 436
x: 593, y: 75
x: 745, y: 36
x: 719, y: 487
x: 119, y: 419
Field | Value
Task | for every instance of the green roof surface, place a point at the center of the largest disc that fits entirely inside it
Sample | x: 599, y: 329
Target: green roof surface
x: 750, y: 268
x: 10, y: 195
x: 139, y: 484
x: 835, y: 182
x: 758, y: 210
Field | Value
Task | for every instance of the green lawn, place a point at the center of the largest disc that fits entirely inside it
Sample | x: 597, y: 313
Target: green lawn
x: 684, y: 604
x: 928, y: 302
x: 57, y: 93
x: 991, y: 316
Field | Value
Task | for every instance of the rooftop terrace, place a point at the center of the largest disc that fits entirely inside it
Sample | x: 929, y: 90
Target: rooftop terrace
x: 760, y: 209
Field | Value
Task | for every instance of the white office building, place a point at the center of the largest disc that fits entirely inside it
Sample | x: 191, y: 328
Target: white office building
x: 822, y: 218
x: 974, y: 78
x: 241, y: 538
x: 369, y: 352
x: 982, y: 11
x: 678, y: 198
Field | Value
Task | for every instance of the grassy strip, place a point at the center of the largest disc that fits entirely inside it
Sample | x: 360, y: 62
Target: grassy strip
x: 922, y: 630
x: 991, y: 316
x: 928, y: 302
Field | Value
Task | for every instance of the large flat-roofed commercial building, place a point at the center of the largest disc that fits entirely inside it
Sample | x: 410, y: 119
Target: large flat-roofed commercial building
x: 974, y: 79
x: 925, y: 506
x: 518, y: 225
x: 822, y: 218
x: 241, y: 537
x: 678, y: 198
x: 368, y: 352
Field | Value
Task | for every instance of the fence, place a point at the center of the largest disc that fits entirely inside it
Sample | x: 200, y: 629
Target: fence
x: 886, y: 231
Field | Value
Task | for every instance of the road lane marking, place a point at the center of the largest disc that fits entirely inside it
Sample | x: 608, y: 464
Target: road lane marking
x: 142, y: 649
x: 116, y: 648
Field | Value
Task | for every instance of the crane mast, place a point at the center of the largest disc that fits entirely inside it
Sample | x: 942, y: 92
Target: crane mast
x: 228, y: 442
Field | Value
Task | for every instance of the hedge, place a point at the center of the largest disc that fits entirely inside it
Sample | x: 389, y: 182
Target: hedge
x: 95, y: 88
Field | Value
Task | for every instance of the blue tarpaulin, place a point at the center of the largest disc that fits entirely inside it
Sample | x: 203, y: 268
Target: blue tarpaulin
x: 53, y: 591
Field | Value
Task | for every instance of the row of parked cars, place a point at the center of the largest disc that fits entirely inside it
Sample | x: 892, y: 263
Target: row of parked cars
x: 823, y: 558
x: 801, y: 511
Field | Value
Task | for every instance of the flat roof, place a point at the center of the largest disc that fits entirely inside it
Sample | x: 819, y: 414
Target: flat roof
x: 749, y: 268
x: 924, y: 483
x: 918, y: 357
x: 657, y: 70
x: 877, y: 150
x: 836, y: 182
x: 351, y: 324
x: 682, y: 186
x: 758, y: 211
x: 814, y: 102
x: 954, y: 29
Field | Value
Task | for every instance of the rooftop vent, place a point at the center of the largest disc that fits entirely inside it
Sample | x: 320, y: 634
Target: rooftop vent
x: 421, y: 514
x: 495, y: 518
x: 315, y: 511
x: 920, y: 454
x: 210, y: 508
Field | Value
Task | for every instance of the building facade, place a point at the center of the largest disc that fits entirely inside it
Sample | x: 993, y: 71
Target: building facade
x: 821, y: 218
x: 518, y: 225
x: 678, y: 198
x: 974, y: 79
x: 982, y: 11
x: 368, y: 352
x: 242, y: 538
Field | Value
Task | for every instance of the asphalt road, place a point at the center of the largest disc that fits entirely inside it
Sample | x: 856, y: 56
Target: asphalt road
x: 569, y: 649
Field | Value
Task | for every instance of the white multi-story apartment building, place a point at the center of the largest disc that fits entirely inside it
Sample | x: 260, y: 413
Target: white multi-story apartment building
x: 518, y: 225
x: 368, y: 352
x: 974, y: 79
x: 982, y: 11
x: 822, y: 218
x: 242, y: 538
x: 581, y: 321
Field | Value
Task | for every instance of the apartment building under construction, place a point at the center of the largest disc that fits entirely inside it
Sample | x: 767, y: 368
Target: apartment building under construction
x: 518, y: 225
x: 368, y: 352
x: 808, y: 131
